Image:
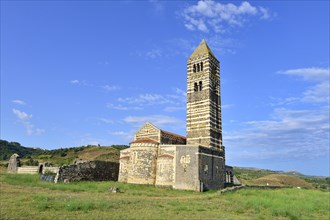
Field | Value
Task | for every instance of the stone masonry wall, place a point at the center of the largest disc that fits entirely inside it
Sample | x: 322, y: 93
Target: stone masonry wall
x: 211, y: 168
x: 143, y: 160
x: 124, y: 165
x: 165, y: 166
x: 89, y: 170
x: 198, y: 168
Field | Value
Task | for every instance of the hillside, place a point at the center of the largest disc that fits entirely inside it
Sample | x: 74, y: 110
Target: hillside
x: 281, y: 180
x: 255, y: 176
x: 33, y: 156
x: 57, y: 157
x: 9, y: 148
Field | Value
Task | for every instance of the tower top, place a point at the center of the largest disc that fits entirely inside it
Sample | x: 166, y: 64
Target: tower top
x: 202, y: 48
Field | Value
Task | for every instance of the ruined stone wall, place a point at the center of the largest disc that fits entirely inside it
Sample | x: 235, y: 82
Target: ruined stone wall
x: 28, y: 170
x: 50, y: 170
x: 143, y: 161
x: 89, y: 170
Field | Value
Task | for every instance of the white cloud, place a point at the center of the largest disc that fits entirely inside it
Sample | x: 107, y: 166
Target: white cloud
x: 103, y: 62
x: 318, y: 93
x: 123, y: 108
x: 265, y: 13
x: 227, y: 106
x: 22, y: 115
x: 24, y: 119
x: 158, y: 120
x: 290, y: 134
x: 300, y: 132
x: 309, y: 74
x: 75, y: 81
x: 174, y: 108
x: 146, y: 99
x: 106, y: 120
x: 208, y: 14
x: 79, y: 82
x: 19, y: 102
x: 153, y: 53
x: 38, y: 131
x: 110, y: 88
x: 178, y: 97
x: 126, y: 135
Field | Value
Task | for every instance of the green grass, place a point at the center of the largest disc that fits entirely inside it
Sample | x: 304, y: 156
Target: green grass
x: 26, y: 197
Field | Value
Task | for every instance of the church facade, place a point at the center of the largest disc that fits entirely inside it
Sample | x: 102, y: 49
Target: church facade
x: 195, y: 162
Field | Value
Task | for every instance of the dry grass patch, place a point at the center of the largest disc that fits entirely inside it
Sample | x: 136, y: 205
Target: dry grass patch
x: 281, y: 180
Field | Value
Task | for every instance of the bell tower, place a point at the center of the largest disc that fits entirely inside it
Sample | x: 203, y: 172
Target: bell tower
x: 204, y: 125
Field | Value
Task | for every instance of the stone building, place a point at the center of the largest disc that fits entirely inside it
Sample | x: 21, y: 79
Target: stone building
x: 197, y: 162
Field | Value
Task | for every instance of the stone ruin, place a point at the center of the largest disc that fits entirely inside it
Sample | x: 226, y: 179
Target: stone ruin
x: 14, y: 163
x: 14, y: 166
x: 95, y: 170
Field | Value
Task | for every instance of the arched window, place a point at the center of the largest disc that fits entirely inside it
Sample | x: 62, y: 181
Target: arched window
x: 200, y: 85
x: 201, y: 66
x: 195, y: 87
x: 198, y: 67
x: 194, y: 68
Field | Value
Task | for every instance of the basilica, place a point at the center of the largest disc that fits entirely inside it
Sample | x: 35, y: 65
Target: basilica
x: 197, y: 161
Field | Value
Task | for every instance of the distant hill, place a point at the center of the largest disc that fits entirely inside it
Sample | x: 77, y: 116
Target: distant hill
x: 255, y: 176
x: 282, y: 180
x: 9, y: 148
x: 33, y: 156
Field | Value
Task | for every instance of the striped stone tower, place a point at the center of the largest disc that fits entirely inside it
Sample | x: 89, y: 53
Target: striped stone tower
x: 203, y: 99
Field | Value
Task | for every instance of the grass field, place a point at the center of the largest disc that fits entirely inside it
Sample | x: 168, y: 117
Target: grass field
x: 26, y: 197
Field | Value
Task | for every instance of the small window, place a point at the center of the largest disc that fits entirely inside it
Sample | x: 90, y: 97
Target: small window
x: 206, y: 168
x: 200, y: 85
x: 194, y: 68
x: 198, y: 67
x: 201, y: 66
x: 195, y: 87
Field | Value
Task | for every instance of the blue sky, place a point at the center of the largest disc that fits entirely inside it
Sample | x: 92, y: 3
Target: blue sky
x: 85, y: 72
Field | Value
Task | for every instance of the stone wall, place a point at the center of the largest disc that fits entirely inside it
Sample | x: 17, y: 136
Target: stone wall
x: 198, y: 168
x: 186, y: 168
x: 125, y: 165
x: 88, y: 170
x: 148, y: 131
x: 50, y: 170
x: 211, y: 170
x: 28, y: 170
x: 165, y: 174
x: 143, y: 159
x: 170, y: 138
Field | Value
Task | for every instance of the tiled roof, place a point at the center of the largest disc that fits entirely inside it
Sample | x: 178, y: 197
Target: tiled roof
x: 146, y: 140
x: 166, y: 155
x: 172, y: 134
